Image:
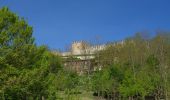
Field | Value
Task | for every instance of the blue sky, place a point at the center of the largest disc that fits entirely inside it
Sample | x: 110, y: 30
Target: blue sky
x: 57, y: 23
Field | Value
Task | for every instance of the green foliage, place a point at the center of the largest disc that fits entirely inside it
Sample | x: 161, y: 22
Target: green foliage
x: 152, y: 61
x: 128, y: 86
x: 139, y: 67
x: 25, y: 69
x: 15, y: 32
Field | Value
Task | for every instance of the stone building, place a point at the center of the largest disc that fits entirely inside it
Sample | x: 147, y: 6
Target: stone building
x: 83, y: 50
x: 81, y: 56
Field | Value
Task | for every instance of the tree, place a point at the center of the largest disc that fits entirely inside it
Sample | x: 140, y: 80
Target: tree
x: 139, y: 57
x: 24, y: 68
x: 15, y: 38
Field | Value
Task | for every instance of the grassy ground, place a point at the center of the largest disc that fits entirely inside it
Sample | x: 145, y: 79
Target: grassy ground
x: 82, y: 96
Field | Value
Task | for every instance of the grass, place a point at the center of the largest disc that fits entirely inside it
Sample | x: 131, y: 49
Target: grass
x: 80, y: 96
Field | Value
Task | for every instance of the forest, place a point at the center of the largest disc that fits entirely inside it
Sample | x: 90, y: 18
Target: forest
x: 137, y: 70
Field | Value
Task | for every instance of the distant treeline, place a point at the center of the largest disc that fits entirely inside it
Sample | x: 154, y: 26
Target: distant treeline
x: 137, y: 69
